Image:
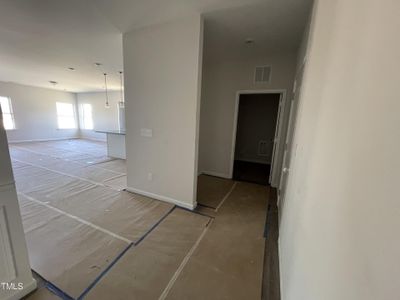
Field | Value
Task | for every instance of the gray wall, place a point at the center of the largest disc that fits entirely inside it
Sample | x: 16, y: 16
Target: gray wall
x: 222, y: 80
x: 103, y: 118
x: 162, y: 66
x: 35, y: 112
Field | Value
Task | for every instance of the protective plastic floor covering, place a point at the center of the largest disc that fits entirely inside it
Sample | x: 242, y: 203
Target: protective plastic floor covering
x: 68, y: 253
x: 42, y: 294
x: 211, y: 190
x: 119, y: 183
x: 76, y: 220
x: 89, y: 172
x: 85, y: 155
x: 122, y: 213
x: 116, y: 165
x: 228, y: 263
x: 145, y: 270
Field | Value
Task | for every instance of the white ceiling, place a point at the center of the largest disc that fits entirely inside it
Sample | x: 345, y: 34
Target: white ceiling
x: 274, y: 26
x: 40, y: 39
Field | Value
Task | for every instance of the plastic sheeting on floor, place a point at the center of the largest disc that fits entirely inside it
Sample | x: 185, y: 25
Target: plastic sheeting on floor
x: 42, y: 294
x: 68, y: 253
x: 88, y: 152
x: 76, y: 219
x: 211, y: 190
x: 86, y: 172
x: 116, y: 165
x: 122, y: 213
x: 145, y: 270
x: 119, y: 183
x: 228, y: 264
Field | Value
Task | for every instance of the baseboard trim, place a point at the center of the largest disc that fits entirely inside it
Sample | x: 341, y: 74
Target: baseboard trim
x: 162, y: 198
x: 42, y: 140
x: 216, y: 174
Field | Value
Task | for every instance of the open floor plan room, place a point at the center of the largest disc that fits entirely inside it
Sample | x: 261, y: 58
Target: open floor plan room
x: 89, y: 238
x: 199, y: 149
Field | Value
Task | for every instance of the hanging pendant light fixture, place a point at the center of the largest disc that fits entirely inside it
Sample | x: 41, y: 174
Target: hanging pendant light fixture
x: 121, y: 103
x: 105, y: 83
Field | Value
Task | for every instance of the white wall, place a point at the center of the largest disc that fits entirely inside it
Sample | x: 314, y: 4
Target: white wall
x: 340, y: 220
x: 35, y: 112
x: 221, y: 81
x: 162, y: 66
x: 103, y: 118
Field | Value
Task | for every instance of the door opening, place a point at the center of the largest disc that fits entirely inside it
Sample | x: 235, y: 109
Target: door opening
x: 256, y: 131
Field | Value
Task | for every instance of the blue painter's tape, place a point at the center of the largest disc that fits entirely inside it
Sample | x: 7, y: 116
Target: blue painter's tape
x: 104, y: 272
x: 98, y: 278
x: 56, y: 290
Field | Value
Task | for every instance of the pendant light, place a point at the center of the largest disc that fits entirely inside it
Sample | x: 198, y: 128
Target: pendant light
x: 121, y: 102
x: 105, y: 83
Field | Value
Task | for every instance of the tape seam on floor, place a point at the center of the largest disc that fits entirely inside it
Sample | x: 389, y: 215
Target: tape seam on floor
x: 57, y: 291
x: 133, y: 244
x: 62, y: 173
x: 226, y: 196
x: 77, y: 219
x: 154, y: 226
x: 53, y: 288
x: 207, y: 206
x: 197, y: 212
x: 183, y: 264
x: 105, y: 271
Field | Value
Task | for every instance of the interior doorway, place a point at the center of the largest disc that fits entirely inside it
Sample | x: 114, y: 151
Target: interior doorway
x: 256, y: 136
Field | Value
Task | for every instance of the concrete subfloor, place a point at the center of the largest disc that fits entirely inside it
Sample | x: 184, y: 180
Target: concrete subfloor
x: 215, y: 252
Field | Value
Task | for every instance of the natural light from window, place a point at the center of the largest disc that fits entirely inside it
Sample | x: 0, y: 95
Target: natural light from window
x: 8, y: 115
x: 87, y: 116
x: 65, y: 115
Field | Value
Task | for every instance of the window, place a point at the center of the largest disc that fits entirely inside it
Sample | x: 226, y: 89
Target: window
x: 65, y: 115
x: 8, y: 115
x: 87, y: 116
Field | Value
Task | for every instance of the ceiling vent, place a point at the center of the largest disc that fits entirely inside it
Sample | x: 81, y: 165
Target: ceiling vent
x: 262, y: 74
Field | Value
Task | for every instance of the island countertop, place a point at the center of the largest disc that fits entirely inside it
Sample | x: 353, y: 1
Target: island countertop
x: 121, y: 132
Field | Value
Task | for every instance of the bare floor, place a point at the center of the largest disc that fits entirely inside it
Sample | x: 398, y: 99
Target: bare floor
x: 88, y: 238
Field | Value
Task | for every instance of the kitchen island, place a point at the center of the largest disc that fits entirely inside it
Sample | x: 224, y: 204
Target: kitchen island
x: 115, y: 143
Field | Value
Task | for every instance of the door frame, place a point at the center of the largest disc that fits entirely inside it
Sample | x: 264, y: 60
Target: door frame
x: 275, y: 172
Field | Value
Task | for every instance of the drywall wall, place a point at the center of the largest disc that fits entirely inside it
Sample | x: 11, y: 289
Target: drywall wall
x: 35, y: 112
x: 103, y: 118
x: 340, y: 219
x: 162, y: 66
x: 222, y: 79
x: 257, y: 118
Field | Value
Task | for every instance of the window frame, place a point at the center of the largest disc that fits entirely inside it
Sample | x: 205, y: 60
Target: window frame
x: 66, y: 116
x: 84, y: 119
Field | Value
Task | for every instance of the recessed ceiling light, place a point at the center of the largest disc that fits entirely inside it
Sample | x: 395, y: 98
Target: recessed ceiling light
x: 53, y: 82
x: 249, y: 41
x: 71, y: 69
